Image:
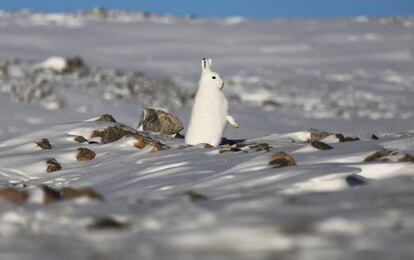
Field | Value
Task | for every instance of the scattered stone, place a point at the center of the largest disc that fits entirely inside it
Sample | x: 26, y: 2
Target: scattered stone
x: 194, y: 196
x: 80, y: 139
x: 160, y: 121
x: 407, y: 158
x: 378, y: 155
x: 374, y: 137
x: 13, y: 195
x: 50, y: 195
x: 107, y: 223
x: 111, y: 134
x: 53, y: 165
x: 208, y: 146
x: 85, y: 154
x: 43, y: 143
x: 157, y: 146
x: 271, y: 103
x: 106, y: 118
x: 317, y: 135
x: 141, y: 142
x: 281, y: 159
x: 343, y: 138
x: 355, y: 180
x: 72, y: 193
x: 320, y: 145
x: 260, y: 147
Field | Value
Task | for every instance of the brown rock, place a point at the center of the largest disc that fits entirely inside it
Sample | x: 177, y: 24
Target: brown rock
x: 378, y: 155
x: 96, y: 133
x: 107, y: 118
x: 85, y: 154
x: 72, y: 193
x: 114, y: 133
x: 260, y: 147
x: 160, y: 121
x: 407, y: 158
x: 13, y: 195
x: 107, y: 223
x: 43, y: 143
x: 50, y: 195
x: 321, y: 145
x: 140, y: 143
x: 317, y: 135
x: 281, y: 159
x: 157, y: 146
x: 80, y: 139
x: 208, y: 146
x: 194, y: 196
x: 53, y: 165
x: 169, y: 123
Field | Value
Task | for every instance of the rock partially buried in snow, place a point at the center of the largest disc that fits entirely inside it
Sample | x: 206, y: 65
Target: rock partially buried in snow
x: 43, y: 143
x: 107, y: 223
x: 80, y: 139
x: 194, y: 196
x: 73, y: 193
x: 85, y: 154
x: 106, y: 118
x: 343, y: 138
x: 317, y: 135
x: 160, y: 121
x: 13, y: 195
x: 320, y: 145
x: 281, y: 159
x: 389, y: 155
x: 61, y: 64
x: 111, y: 134
x: 53, y: 165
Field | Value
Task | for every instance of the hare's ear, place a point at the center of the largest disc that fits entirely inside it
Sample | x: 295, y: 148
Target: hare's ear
x: 210, y: 62
x: 205, y: 64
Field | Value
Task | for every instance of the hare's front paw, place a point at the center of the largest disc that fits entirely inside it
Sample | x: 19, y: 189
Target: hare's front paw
x: 235, y: 125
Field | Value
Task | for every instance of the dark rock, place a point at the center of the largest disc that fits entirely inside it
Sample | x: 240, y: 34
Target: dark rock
x: 355, y: 180
x: 374, y: 137
x: 50, y: 195
x: 157, y: 146
x: 160, y: 121
x: 85, y: 154
x: 343, y: 138
x: 43, y: 143
x: 281, y: 159
x: 271, y: 103
x: 224, y: 141
x: 13, y: 195
x: 107, y: 223
x: 80, y: 139
x: 194, y: 196
x: 106, y: 118
x: 208, y: 146
x: 74, y: 63
x: 72, y: 193
x: 92, y: 142
x: 321, y: 145
x: 378, y: 155
x: 53, y: 165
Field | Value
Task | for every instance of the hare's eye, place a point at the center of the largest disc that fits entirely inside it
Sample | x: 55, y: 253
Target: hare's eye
x: 214, y: 77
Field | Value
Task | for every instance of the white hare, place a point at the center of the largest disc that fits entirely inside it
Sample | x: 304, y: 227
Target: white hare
x: 210, y: 110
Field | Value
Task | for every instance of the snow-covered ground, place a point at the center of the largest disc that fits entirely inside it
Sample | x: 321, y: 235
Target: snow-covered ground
x: 283, y: 77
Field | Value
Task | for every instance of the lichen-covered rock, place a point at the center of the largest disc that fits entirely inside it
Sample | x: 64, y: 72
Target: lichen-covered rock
x: 43, y: 143
x: 85, y: 154
x: 389, y: 155
x: 160, y: 121
x: 13, y: 195
x: 260, y: 147
x: 281, y: 159
x: 53, y: 165
x: 111, y: 134
x: 317, y: 135
x: 80, y: 139
x: 73, y: 193
x: 106, y: 118
x: 321, y: 145
x: 157, y: 146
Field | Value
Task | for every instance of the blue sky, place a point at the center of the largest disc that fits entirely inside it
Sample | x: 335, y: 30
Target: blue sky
x: 249, y: 8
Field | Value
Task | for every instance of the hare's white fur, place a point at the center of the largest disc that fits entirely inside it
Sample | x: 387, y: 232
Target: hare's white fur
x: 210, y: 110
